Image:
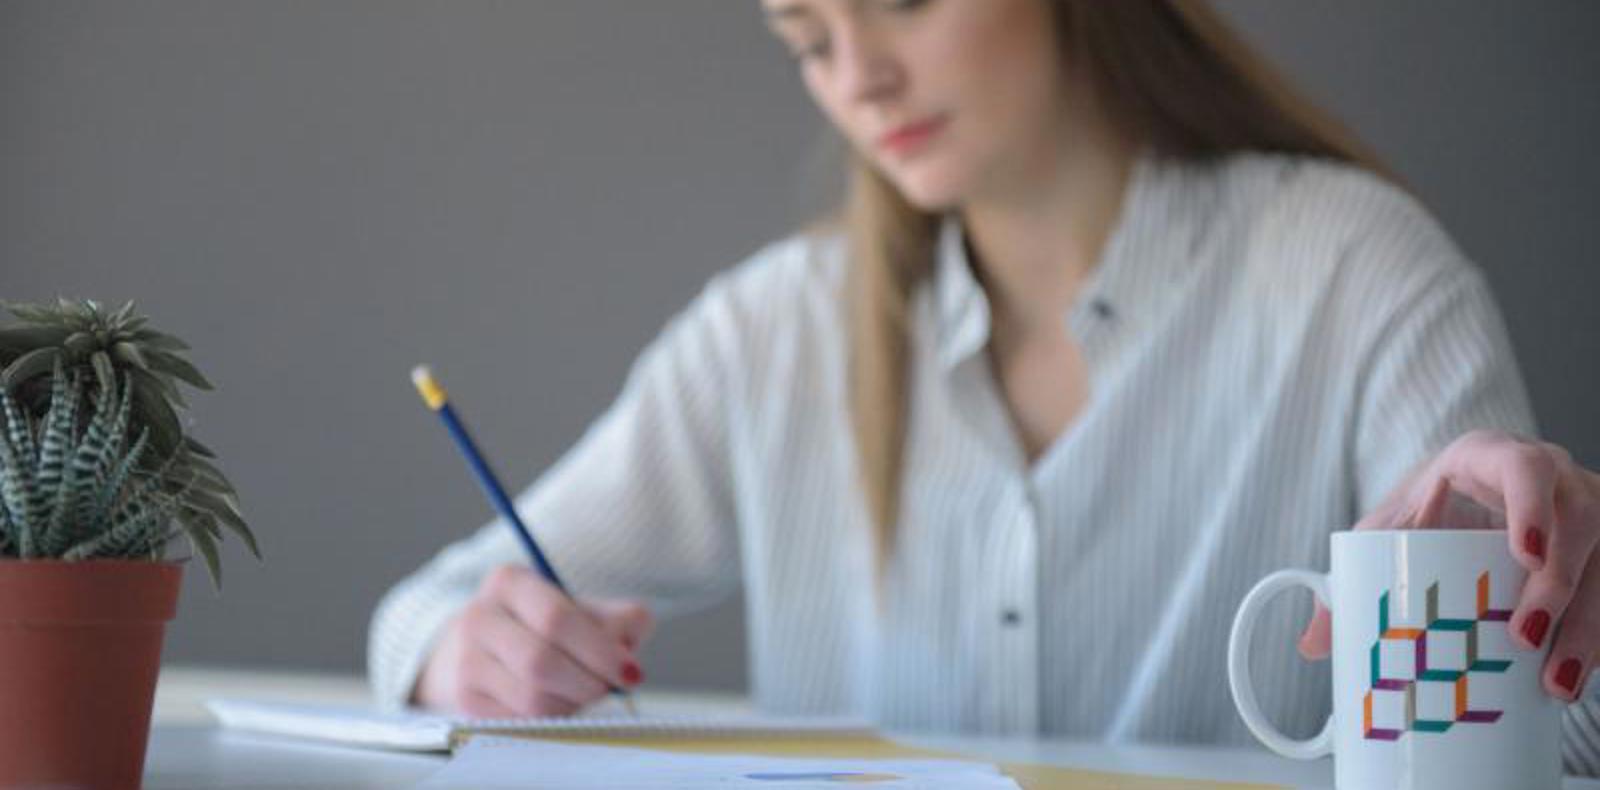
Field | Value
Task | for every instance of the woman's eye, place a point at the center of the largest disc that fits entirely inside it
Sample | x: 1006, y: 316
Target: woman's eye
x: 811, y: 51
x: 821, y: 48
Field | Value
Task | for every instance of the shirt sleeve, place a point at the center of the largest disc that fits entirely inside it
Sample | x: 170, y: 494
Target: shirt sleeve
x: 1441, y: 367
x: 641, y: 507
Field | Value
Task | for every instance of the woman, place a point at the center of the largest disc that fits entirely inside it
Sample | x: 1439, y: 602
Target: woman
x: 1110, y: 327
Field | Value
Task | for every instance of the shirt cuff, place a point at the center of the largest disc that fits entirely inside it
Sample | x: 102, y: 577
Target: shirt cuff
x: 405, y: 628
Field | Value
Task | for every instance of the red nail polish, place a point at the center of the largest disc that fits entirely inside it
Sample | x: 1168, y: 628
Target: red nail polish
x: 1567, y: 675
x: 1534, y: 627
x: 631, y: 674
x: 1533, y: 542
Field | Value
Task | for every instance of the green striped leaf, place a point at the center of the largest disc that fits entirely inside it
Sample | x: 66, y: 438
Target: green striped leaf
x: 17, y: 490
x: 34, y: 363
x: 129, y: 353
x: 206, y: 546
x: 228, y: 516
x: 196, y: 448
x: 16, y: 340
x: 19, y: 429
x: 158, y: 340
x: 121, y: 474
x: 59, y: 425
x: 104, y: 369
x: 176, y: 366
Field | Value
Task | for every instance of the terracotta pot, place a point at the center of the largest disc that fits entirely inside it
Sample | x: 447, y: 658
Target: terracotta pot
x: 80, y: 649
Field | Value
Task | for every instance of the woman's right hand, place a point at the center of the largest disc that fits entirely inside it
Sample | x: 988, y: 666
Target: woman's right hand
x: 523, y: 648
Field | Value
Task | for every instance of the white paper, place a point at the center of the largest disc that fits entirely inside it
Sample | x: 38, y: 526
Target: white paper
x: 491, y: 762
x: 419, y: 731
x: 408, y: 730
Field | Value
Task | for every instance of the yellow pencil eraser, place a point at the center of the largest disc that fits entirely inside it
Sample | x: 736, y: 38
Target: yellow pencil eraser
x: 432, y: 393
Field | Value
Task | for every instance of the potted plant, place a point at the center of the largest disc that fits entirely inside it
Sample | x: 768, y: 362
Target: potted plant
x: 97, y: 477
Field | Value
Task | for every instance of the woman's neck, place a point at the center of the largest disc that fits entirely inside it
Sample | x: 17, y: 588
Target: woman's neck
x: 1035, y: 243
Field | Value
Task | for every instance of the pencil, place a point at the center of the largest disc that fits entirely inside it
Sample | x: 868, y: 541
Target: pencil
x: 434, y: 396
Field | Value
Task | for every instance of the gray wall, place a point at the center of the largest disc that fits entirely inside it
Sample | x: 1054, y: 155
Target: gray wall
x: 320, y: 194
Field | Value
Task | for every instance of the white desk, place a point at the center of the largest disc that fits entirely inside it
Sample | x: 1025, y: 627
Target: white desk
x: 187, y: 750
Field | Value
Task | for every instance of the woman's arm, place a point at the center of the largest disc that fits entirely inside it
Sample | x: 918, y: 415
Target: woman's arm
x: 641, y: 507
x: 1440, y: 443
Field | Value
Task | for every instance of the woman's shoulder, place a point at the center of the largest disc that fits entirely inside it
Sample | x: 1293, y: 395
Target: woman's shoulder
x: 807, y: 265
x: 1317, y: 221
x: 795, y: 279
x: 786, y: 291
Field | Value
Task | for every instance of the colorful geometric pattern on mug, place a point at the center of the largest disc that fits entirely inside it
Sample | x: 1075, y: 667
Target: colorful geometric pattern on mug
x: 1474, y: 666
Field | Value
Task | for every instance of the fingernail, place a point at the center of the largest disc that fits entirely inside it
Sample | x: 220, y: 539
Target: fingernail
x: 1533, y: 542
x: 1567, y: 675
x: 1534, y: 627
x: 631, y: 674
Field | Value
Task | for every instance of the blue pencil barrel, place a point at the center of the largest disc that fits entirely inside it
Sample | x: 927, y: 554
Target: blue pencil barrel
x: 497, y: 495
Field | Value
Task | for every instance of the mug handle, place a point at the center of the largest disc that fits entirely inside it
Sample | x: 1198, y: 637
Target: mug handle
x: 1244, y: 694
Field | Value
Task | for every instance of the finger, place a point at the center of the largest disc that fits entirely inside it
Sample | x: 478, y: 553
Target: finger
x: 487, y: 677
x: 1550, y: 590
x: 1515, y: 477
x: 482, y: 704
x: 558, y: 620
x: 1317, y: 640
x: 499, y: 698
x: 533, y: 668
x: 1432, y: 511
x: 1566, y: 671
x: 628, y: 621
x: 486, y: 686
x: 1393, y: 511
x: 1543, y: 602
x: 1577, y: 513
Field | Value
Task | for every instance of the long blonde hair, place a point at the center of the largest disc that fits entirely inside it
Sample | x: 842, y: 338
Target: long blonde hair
x: 1169, y: 74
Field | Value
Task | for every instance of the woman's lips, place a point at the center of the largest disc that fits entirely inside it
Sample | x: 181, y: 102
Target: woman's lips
x: 905, y: 139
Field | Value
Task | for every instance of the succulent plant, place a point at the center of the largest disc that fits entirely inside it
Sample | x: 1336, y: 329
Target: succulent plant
x: 96, y: 462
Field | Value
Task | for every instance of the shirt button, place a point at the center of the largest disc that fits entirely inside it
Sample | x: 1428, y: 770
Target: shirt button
x: 1011, y: 617
x: 1102, y: 308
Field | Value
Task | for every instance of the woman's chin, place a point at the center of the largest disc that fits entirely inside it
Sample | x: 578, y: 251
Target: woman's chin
x: 928, y: 194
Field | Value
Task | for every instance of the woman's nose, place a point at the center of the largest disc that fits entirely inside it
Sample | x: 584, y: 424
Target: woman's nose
x: 869, y: 70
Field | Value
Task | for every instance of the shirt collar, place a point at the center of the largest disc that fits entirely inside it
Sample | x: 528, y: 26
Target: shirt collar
x: 960, y: 302
x: 1133, y: 284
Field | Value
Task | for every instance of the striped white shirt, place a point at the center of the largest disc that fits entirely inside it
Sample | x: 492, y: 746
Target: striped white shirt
x: 1271, y: 343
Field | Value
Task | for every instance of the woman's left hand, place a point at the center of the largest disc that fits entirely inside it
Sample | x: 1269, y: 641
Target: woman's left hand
x: 1550, y: 509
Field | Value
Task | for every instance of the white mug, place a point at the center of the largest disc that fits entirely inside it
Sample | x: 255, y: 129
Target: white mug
x: 1429, y: 693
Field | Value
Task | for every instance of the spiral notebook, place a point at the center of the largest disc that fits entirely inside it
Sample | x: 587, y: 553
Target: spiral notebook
x: 428, y: 732
x: 769, y: 737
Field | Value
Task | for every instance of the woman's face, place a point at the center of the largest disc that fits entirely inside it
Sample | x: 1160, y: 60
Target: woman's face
x: 948, y: 99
